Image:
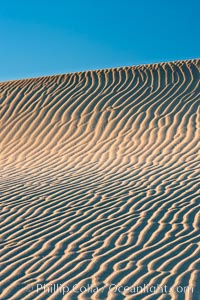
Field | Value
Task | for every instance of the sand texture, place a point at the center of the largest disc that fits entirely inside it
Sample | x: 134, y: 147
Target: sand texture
x: 99, y: 183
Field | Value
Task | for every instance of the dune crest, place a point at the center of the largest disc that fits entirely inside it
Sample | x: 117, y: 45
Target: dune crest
x: 99, y: 183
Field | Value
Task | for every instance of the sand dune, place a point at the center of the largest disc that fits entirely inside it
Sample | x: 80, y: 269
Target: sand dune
x: 99, y: 184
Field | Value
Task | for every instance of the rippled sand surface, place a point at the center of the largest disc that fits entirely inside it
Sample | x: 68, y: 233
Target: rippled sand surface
x: 99, y: 184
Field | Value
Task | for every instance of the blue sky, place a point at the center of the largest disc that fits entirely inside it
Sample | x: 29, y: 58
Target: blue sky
x: 50, y: 37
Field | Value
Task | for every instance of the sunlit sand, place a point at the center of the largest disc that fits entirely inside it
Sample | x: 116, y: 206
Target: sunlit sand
x: 99, y: 184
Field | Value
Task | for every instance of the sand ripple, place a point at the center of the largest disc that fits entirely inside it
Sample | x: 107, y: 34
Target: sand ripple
x: 99, y: 182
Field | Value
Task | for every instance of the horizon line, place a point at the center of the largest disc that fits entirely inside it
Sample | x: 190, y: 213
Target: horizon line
x: 195, y: 60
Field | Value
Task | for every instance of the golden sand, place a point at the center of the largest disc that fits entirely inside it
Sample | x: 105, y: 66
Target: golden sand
x: 99, y: 184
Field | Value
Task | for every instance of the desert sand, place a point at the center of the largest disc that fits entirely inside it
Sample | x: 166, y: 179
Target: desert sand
x: 99, y: 184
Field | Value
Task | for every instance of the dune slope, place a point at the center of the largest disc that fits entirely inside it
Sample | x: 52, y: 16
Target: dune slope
x: 99, y: 183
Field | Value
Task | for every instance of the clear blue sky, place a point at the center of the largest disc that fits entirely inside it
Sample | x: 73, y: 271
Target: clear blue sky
x: 43, y: 37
